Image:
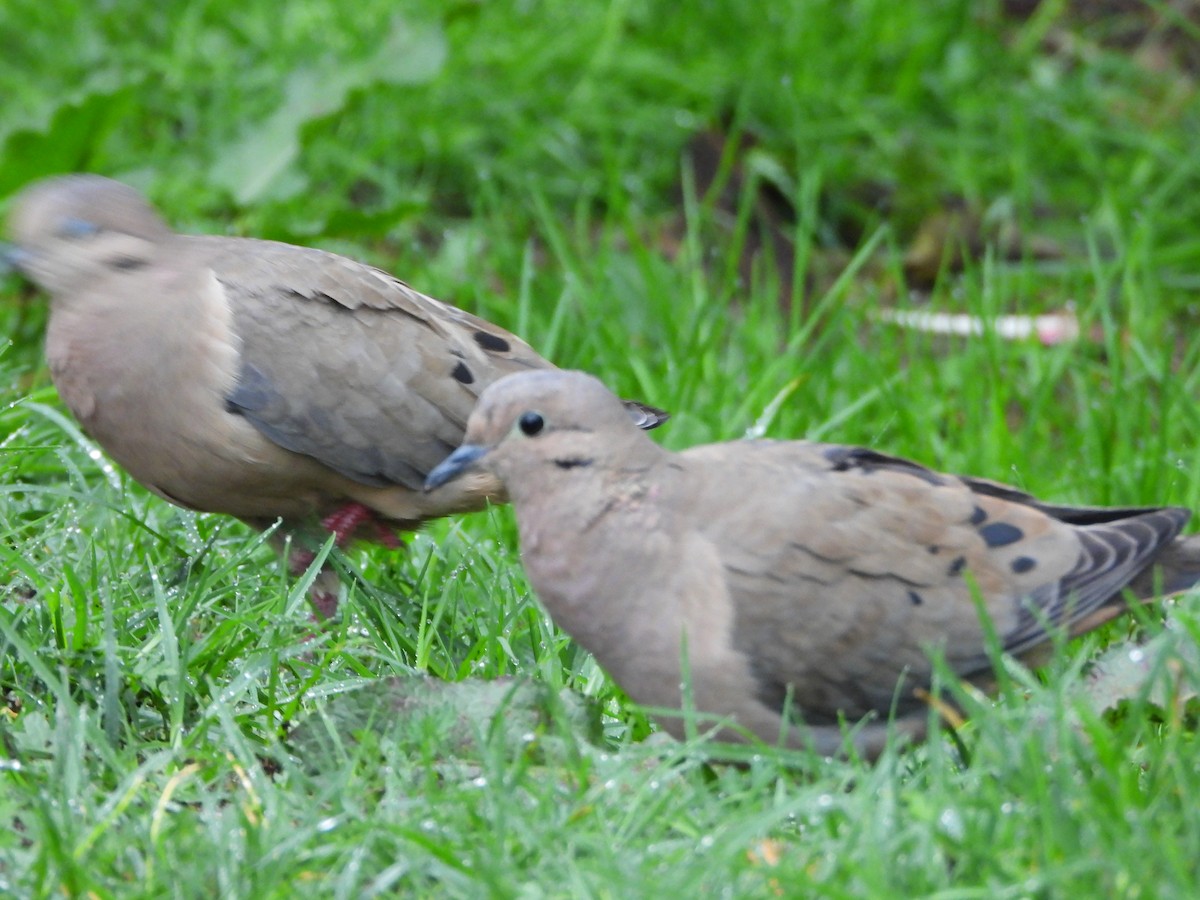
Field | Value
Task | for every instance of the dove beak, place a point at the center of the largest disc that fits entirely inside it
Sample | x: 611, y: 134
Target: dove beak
x: 12, y: 258
x: 455, y: 464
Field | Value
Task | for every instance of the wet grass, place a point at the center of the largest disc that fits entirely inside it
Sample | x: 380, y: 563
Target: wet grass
x: 171, y: 726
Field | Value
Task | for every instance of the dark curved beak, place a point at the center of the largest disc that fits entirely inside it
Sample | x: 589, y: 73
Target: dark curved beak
x: 455, y: 464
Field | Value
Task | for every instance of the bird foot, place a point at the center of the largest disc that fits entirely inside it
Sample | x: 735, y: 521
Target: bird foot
x: 324, y: 604
x: 299, y: 560
x: 387, y: 536
x: 344, y: 524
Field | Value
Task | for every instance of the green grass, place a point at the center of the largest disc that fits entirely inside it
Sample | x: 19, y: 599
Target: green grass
x: 170, y: 726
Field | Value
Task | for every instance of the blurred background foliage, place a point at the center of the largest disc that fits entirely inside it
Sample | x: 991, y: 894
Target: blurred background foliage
x: 381, y: 123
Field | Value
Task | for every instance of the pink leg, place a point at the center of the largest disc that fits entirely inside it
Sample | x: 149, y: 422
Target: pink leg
x: 324, y: 601
x: 346, y: 521
x: 299, y: 560
x: 386, y: 536
x: 343, y: 522
x: 324, y: 604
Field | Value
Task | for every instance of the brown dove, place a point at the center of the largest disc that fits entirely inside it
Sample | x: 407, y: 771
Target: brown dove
x: 257, y: 378
x: 800, y: 582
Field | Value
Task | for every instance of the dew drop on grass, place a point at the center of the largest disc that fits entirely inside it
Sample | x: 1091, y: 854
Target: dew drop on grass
x: 1136, y: 655
x: 326, y: 825
x: 825, y: 801
x: 96, y: 455
x: 479, y: 782
x: 951, y: 824
x: 706, y: 842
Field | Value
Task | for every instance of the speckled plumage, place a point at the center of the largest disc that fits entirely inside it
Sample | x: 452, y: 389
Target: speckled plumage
x: 792, y: 569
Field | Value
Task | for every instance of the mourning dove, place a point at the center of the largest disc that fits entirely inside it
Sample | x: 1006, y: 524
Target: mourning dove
x: 257, y: 378
x: 789, y: 571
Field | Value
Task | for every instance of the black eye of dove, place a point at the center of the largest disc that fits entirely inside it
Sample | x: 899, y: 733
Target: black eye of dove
x: 531, y: 423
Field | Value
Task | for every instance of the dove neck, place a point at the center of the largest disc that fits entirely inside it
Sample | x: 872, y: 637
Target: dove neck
x: 631, y: 615
x: 104, y: 354
x: 621, y: 508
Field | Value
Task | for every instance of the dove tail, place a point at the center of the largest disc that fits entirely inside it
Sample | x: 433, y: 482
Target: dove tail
x: 1175, y: 569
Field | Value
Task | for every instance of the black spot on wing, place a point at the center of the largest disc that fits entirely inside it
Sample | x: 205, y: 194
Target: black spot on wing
x: 1000, y: 534
x: 978, y: 516
x: 956, y: 567
x: 462, y: 374
x: 1023, y: 564
x: 914, y: 598
x: 492, y: 342
x: 1110, y: 556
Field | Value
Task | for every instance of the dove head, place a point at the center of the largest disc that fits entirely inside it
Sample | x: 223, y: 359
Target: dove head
x: 531, y: 424
x: 71, y: 230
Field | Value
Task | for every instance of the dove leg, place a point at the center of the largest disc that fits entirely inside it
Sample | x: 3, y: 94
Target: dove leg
x: 345, y: 522
x: 323, y: 593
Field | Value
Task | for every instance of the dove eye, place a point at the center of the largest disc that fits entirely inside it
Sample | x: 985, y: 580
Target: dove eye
x: 531, y: 423
x: 73, y: 228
